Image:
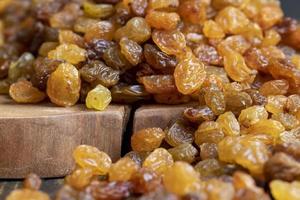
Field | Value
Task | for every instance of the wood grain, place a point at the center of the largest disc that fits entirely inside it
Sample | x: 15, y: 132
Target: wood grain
x: 41, y: 138
x: 156, y: 116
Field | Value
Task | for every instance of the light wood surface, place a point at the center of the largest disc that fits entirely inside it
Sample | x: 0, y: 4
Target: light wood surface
x: 40, y: 138
x: 156, y: 115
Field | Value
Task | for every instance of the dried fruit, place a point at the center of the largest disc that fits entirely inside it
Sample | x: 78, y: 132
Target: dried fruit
x: 68, y: 52
x: 24, y: 92
x: 181, y: 179
x: 132, y: 51
x: 162, y: 20
x: 189, y: 75
x: 91, y: 158
x: 184, y: 152
x: 283, y: 190
x: 122, y: 170
x: 229, y: 124
x: 63, y: 85
x: 147, y: 139
x: 98, y: 98
x: 160, y: 161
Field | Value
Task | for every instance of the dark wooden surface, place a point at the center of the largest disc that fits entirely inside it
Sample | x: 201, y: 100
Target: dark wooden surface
x: 41, y: 138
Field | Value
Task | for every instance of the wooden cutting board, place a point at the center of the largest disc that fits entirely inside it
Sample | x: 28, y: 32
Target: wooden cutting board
x: 40, y: 138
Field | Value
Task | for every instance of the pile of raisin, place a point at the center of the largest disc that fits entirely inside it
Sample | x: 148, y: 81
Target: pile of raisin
x: 228, y: 55
x: 237, y: 59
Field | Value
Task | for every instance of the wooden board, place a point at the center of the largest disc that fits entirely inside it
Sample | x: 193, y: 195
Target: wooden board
x: 156, y: 116
x: 41, y: 138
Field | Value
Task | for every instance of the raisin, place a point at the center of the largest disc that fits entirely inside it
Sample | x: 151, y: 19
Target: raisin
x: 282, y: 166
x: 158, y: 84
x: 269, y: 15
x: 189, y: 75
x: 267, y: 126
x: 159, y: 60
x: 91, y: 158
x: 193, y: 11
x: 145, y: 181
x: 209, y: 132
x: 115, y: 59
x: 63, y: 85
x: 163, y: 4
x: 185, y: 152
x: 27, y: 194
x: 139, y: 7
x: 213, y: 30
x: 229, y: 124
x: 170, y: 42
x: 132, y: 51
x: 122, y: 170
x: 115, y: 190
x: 159, y: 193
x: 97, y: 47
x: 208, y: 55
x: 160, y: 161
x: 100, y: 30
x: 162, y: 20
x: 65, y: 18
x: 97, y: 72
x: 208, y: 151
x: 129, y: 94
x: 179, y: 132
x: 232, y: 20
x: 24, y: 92
x: 213, y: 94
x: 69, y: 37
x: 252, y: 115
x: 98, y: 10
x: 274, y: 87
x: 250, y: 153
x: 287, y: 120
x: 136, y: 29
x: 181, y: 178
x: 68, y: 52
x: 283, y: 190
x: 199, y: 114
x: 80, y: 178
x: 98, y: 98
x: 147, y: 139
x: 209, y: 168
x: 32, y: 182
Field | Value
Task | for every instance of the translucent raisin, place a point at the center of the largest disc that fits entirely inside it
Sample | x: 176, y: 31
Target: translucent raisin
x: 274, y: 87
x: 63, y: 85
x: 97, y: 47
x: 147, y: 139
x: 145, y: 181
x: 162, y: 20
x: 170, y: 42
x: 80, y: 178
x: 181, y: 178
x: 115, y: 59
x: 132, y: 51
x: 91, y: 158
x: 209, y: 132
x: 229, y: 124
x: 24, y: 92
x: 136, y: 29
x: 189, y: 75
x: 199, y: 114
x: 98, y: 98
x: 185, y: 152
x: 160, y: 161
x: 208, y: 54
x: 122, y: 170
x: 100, y: 30
x: 252, y: 115
x: 283, y: 190
x: 213, y: 30
x: 158, y: 84
x: 68, y: 52
x: 179, y: 132
x: 232, y: 20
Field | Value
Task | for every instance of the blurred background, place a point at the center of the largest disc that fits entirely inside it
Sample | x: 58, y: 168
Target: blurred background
x: 291, y: 8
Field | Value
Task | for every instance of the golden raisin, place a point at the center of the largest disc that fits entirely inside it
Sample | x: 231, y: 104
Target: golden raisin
x: 147, y: 139
x: 91, y: 158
